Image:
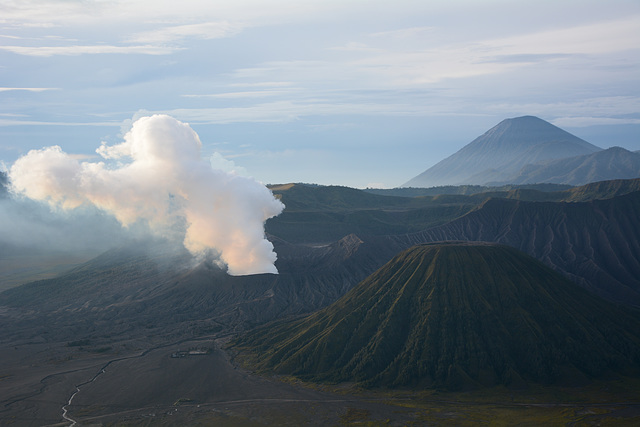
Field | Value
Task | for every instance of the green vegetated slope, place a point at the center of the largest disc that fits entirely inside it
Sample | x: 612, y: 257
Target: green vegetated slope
x: 455, y: 315
x: 464, y: 190
x: 602, y: 190
x: 322, y: 214
x: 305, y: 197
x: 528, y: 192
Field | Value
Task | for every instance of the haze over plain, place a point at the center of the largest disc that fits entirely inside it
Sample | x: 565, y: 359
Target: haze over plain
x: 352, y: 93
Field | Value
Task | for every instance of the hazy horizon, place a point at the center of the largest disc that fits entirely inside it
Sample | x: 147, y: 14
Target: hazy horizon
x: 352, y: 93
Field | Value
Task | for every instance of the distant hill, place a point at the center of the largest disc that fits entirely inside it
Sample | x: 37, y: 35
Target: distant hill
x: 455, y: 315
x: 305, y: 197
x: 599, y: 190
x: 464, y: 190
x: 612, y: 163
x: 502, y: 151
x: 323, y: 214
x: 602, y: 190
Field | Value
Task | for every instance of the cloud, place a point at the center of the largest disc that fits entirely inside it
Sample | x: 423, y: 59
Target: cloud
x: 244, y: 94
x: 159, y: 178
x: 602, y: 109
x: 10, y: 37
x: 219, y: 162
x: 602, y: 37
x: 577, y: 122
x: 16, y: 122
x: 499, y: 55
x: 355, y: 47
x: 280, y: 111
x: 289, y: 111
x: 204, y: 30
x: 27, y: 89
x: 405, y: 33
x: 47, y: 51
x: 59, y: 13
x: 262, y: 84
x: 403, y: 59
x: 527, y: 58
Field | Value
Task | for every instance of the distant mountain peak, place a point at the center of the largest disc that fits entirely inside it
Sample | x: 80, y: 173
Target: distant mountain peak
x: 502, y: 151
x: 528, y: 120
x: 530, y: 130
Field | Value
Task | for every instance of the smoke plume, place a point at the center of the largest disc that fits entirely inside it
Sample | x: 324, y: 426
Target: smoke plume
x: 157, y: 176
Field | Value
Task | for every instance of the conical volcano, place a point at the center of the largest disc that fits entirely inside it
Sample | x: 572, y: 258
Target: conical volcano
x: 502, y: 151
x: 455, y: 315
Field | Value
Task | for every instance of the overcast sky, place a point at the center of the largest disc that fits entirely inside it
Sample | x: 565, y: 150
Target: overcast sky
x: 357, y: 93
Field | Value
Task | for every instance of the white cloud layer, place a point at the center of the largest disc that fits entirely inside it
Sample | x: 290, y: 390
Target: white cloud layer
x: 160, y: 178
x: 27, y: 89
x: 88, y: 49
x: 205, y: 30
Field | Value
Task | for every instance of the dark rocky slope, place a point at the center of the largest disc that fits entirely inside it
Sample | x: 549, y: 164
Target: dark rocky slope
x: 134, y: 288
x: 595, y: 243
x: 455, y: 315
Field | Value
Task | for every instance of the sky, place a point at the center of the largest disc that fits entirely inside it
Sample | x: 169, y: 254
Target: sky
x: 350, y: 92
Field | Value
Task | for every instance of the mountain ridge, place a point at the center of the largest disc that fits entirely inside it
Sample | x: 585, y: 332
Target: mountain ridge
x: 612, y: 163
x: 562, y: 235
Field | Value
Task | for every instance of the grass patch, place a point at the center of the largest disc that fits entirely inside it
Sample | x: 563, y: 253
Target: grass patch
x: 355, y: 416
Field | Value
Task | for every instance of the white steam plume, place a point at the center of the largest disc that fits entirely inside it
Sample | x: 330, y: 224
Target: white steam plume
x: 161, y: 179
